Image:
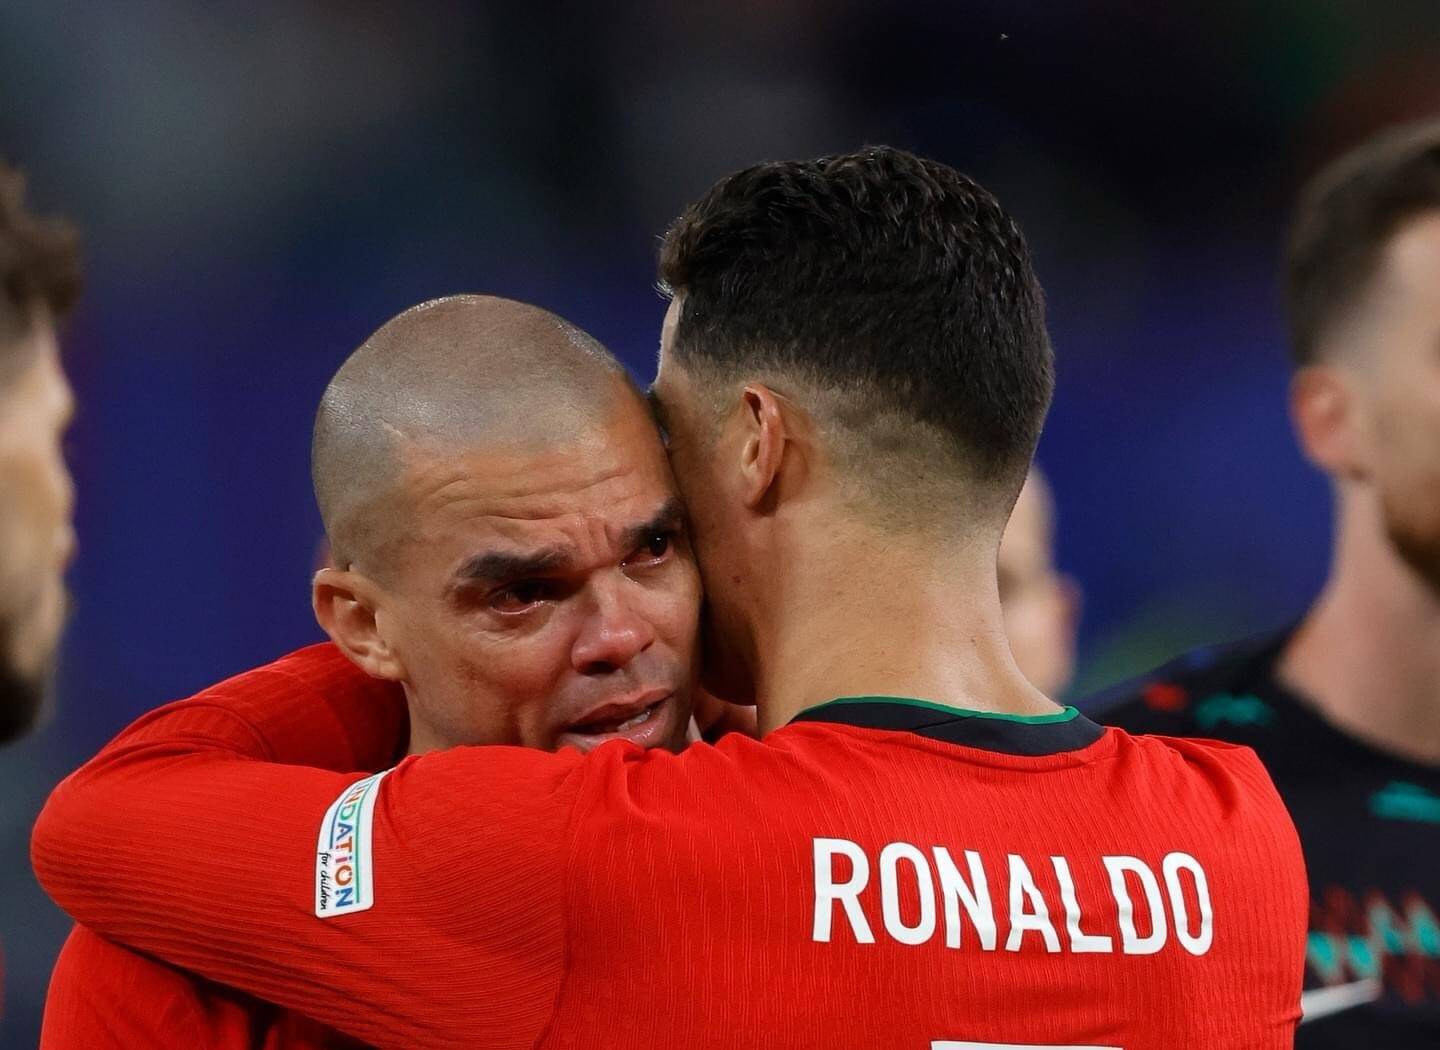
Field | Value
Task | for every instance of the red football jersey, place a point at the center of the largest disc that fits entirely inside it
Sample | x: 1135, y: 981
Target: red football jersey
x: 104, y: 995
x: 107, y: 997
x: 879, y: 873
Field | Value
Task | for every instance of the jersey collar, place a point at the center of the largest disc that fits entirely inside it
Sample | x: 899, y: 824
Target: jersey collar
x: 1066, y: 730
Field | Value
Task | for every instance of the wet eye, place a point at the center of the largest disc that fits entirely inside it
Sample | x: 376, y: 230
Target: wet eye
x: 520, y: 596
x: 653, y: 549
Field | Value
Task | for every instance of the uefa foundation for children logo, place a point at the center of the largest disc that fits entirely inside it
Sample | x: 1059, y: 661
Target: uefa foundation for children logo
x: 343, y: 873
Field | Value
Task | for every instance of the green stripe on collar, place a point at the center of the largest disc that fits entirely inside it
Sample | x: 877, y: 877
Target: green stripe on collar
x: 1063, y: 715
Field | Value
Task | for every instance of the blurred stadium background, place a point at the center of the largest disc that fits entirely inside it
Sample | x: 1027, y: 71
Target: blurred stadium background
x: 260, y: 185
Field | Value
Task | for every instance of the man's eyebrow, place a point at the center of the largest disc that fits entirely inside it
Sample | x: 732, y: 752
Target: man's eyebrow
x: 668, y: 518
x: 499, y: 566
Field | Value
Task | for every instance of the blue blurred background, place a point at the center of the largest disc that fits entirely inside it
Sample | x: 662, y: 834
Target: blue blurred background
x: 263, y: 184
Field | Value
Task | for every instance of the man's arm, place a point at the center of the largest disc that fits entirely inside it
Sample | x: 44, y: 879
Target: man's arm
x: 106, y: 997
x: 185, y: 838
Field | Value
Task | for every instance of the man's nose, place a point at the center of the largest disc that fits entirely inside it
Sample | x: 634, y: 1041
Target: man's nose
x: 615, y: 632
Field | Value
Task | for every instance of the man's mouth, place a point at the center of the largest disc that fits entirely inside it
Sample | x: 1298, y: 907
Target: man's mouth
x: 647, y: 721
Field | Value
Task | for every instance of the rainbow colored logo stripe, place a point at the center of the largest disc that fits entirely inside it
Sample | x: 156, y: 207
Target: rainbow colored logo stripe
x: 344, y: 875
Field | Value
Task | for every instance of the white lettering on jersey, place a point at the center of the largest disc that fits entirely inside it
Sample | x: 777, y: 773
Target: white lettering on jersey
x: 1080, y: 941
x: 1194, y: 943
x: 827, y: 891
x: 911, y: 878
x: 1131, y: 942
x: 974, y: 895
x: 890, y: 858
x: 1037, y: 918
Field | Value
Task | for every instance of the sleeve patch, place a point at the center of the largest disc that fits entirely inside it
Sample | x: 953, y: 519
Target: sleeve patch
x: 344, y: 874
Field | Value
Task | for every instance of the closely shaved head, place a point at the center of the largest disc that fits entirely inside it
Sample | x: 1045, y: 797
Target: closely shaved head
x: 461, y: 372
x: 506, y: 538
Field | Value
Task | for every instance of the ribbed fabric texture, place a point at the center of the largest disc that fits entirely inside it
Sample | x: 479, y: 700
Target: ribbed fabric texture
x: 106, y: 997
x: 652, y: 900
x: 103, y: 995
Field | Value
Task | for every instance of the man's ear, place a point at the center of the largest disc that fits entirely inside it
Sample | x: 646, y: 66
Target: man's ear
x: 345, y: 604
x: 1329, y: 421
x: 763, y: 451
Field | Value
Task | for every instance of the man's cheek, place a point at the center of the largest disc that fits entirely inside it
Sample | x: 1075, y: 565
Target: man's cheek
x: 686, y: 612
x: 25, y: 565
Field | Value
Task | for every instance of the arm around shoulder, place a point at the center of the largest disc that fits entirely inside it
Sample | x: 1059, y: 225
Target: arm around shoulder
x: 182, y: 840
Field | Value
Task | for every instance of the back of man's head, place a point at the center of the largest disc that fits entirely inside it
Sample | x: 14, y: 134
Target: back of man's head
x: 896, y: 296
x: 1346, y: 217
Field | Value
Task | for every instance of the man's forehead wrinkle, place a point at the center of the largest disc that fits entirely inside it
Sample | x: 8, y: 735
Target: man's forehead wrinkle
x: 543, y: 516
x: 499, y: 485
x: 602, y: 539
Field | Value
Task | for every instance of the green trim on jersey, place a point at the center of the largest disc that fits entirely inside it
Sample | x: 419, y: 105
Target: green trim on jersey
x: 1064, y: 715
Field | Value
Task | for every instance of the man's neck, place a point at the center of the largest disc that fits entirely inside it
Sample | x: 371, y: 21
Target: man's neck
x: 1368, y: 653
x: 866, y: 615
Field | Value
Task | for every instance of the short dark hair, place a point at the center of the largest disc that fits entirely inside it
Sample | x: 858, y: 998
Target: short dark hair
x: 39, y: 264
x: 1344, y: 221
x: 888, y: 279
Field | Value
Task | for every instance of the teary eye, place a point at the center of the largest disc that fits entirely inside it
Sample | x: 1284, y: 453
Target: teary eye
x: 657, y: 545
x: 522, y: 594
x: 654, y: 547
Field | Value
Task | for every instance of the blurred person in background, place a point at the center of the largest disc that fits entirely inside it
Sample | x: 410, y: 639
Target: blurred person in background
x: 460, y: 456
x: 1041, y: 604
x: 39, y: 281
x: 1344, y: 708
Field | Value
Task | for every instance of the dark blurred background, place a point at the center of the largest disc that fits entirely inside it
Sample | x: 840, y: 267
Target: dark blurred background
x: 262, y: 184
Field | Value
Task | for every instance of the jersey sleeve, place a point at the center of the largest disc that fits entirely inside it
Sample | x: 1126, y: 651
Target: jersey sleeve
x: 312, y: 708
x: 422, y: 906
x: 106, y: 997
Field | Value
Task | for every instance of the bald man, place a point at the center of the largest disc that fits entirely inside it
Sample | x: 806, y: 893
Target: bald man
x: 507, y: 549
x: 1041, y: 605
x: 479, y: 463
